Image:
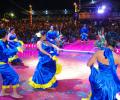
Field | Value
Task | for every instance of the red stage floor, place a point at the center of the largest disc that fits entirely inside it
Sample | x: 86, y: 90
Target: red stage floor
x: 73, y: 81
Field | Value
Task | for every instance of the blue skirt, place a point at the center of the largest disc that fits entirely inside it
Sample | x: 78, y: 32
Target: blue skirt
x: 10, y: 77
x: 15, y: 58
x: 15, y: 44
x: 44, y: 76
x: 103, y: 85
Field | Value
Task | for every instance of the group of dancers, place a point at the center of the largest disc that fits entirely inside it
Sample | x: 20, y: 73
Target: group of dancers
x: 47, y: 67
x: 105, y: 84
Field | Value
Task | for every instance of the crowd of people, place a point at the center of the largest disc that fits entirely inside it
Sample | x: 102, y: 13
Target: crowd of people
x: 67, y: 28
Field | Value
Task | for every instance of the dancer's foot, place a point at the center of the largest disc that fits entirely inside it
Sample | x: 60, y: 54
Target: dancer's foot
x: 4, y: 94
x: 15, y: 95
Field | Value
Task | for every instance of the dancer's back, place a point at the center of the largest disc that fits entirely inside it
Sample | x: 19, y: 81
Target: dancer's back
x: 104, y: 81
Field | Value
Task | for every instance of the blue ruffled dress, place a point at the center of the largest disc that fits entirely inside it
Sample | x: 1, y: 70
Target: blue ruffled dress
x: 51, y: 36
x: 44, y: 75
x: 12, y: 44
x: 10, y: 77
x: 105, y: 83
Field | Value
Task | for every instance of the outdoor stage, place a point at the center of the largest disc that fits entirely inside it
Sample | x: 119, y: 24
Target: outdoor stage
x: 73, y: 81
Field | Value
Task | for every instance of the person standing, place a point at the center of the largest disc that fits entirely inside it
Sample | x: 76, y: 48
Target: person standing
x: 14, y: 42
x: 9, y: 76
x: 84, y: 33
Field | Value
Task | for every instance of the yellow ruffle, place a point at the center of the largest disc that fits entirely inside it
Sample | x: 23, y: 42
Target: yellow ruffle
x: 88, y: 98
x: 2, y: 63
x: 58, y: 66
x: 43, y: 86
x: 21, y: 42
x: 15, y: 86
x: 5, y: 87
x: 12, y: 58
x: 55, y: 58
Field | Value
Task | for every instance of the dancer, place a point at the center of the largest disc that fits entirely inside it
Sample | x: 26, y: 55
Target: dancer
x: 104, y: 81
x: 52, y: 37
x: 84, y: 33
x: 100, y: 43
x: 13, y: 42
x: 47, y: 68
x: 10, y: 77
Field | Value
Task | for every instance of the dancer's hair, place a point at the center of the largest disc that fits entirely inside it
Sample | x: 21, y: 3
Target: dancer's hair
x: 43, y: 32
x: 3, y: 33
x: 11, y: 28
x: 112, y: 38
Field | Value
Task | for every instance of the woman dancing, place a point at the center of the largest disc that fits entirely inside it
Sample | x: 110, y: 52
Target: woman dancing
x: 47, y: 68
x: 13, y: 42
x: 10, y: 77
x: 104, y: 81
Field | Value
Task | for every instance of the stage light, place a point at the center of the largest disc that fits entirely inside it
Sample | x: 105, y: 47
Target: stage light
x: 65, y: 11
x: 93, y: 2
x: 33, y: 12
x: 46, y: 12
x: 104, y: 7
x: 12, y: 14
x: 101, y: 9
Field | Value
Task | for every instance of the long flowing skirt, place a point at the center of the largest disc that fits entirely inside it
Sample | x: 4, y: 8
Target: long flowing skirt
x: 104, y: 86
x: 44, y: 76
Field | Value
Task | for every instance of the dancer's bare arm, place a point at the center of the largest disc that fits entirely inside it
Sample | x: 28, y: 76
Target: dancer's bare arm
x: 92, y: 60
x: 39, y: 46
x: 54, y: 46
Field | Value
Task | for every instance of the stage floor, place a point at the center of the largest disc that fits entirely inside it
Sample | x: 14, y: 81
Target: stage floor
x: 73, y: 80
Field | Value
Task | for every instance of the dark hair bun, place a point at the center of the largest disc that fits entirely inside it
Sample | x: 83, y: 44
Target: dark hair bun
x: 112, y: 38
x: 11, y: 28
x: 43, y: 32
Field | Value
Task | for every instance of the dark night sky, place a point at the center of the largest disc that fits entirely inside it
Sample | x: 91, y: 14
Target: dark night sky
x: 38, y: 4
x: 21, y: 5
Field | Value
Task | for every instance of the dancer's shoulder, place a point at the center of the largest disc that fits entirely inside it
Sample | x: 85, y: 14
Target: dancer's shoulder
x: 99, y: 51
x: 39, y: 43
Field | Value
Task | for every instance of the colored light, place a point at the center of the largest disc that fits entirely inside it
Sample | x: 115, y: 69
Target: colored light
x: 65, y: 11
x: 12, y: 14
x: 46, y: 12
x: 101, y: 11
x: 104, y: 7
x: 92, y: 2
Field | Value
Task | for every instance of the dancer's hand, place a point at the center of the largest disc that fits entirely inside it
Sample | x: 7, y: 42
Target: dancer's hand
x: 50, y: 56
x: 58, y: 50
x: 20, y: 49
x: 23, y: 48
